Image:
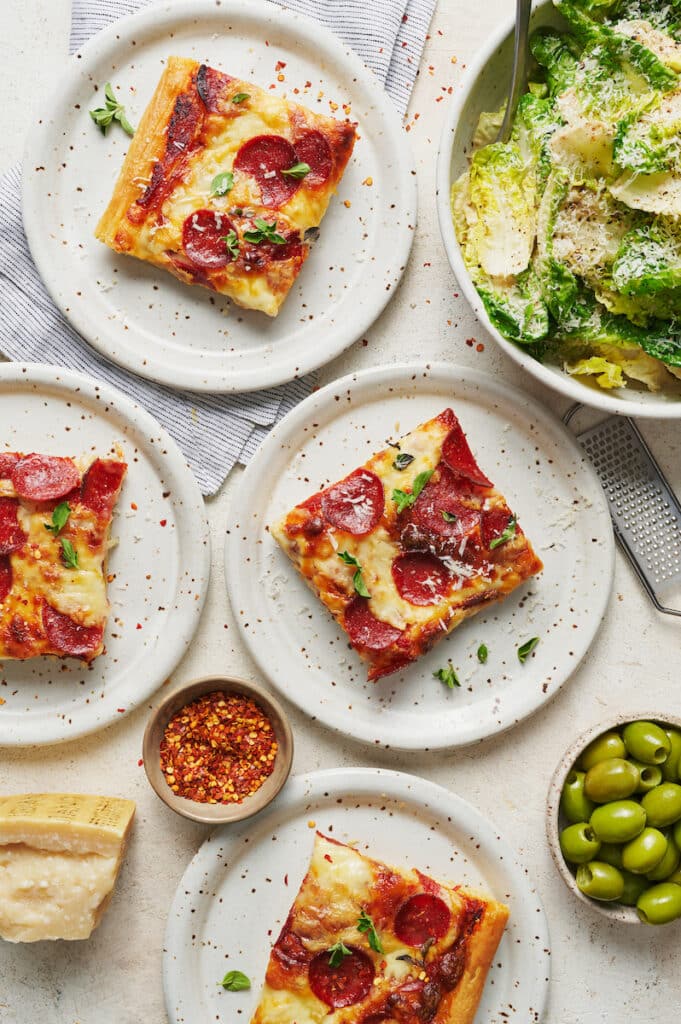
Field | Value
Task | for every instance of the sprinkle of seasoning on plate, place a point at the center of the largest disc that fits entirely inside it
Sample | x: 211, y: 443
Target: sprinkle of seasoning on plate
x: 219, y: 749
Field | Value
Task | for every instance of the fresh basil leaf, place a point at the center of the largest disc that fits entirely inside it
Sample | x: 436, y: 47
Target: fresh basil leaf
x: 235, y: 981
x: 111, y: 111
x: 525, y: 650
x: 264, y: 232
x: 449, y: 517
x: 337, y: 953
x: 405, y: 499
x: 447, y: 676
x: 239, y: 97
x: 298, y: 171
x: 365, y: 925
x: 69, y: 554
x: 231, y: 240
x: 222, y: 184
x: 60, y: 518
x: 508, y: 534
x: 482, y: 653
x: 403, y: 460
x: 357, y: 580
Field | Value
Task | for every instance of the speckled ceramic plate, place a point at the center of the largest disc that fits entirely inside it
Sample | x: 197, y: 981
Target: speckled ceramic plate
x: 140, y: 316
x: 160, y: 563
x: 235, y: 895
x: 542, y: 471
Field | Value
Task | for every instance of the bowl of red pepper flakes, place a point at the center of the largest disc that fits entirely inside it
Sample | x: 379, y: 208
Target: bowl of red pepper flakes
x: 218, y: 749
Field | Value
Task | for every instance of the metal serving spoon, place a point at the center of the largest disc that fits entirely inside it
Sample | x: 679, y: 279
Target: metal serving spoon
x: 521, y: 60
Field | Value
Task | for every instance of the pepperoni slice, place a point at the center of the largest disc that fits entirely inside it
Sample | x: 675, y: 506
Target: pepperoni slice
x: 344, y: 985
x: 442, y: 495
x: 12, y: 537
x: 44, y: 477
x: 69, y: 637
x: 365, y: 630
x: 264, y: 157
x: 8, y: 461
x: 203, y: 239
x: 313, y: 149
x: 102, y: 485
x: 421, y: 578
x: 422, y: 917
x: 494, y: 523
x: 458, y: 456
x: 356, y: 504
x: 5, y: 577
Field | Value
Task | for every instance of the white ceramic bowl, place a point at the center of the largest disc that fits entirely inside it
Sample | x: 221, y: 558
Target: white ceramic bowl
x: 484, y: 89
x: 555, y: 821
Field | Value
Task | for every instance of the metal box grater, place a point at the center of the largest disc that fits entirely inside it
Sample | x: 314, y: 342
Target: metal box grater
x: 646, y: 513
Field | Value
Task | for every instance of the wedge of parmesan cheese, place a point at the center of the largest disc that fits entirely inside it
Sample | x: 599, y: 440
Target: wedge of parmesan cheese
x: 60, y: 854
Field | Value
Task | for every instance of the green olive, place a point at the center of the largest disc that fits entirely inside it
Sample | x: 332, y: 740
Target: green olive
x: 646, y: 742
x: 634, y: 885
x: 644, y: 852
x: 668, y: 864
x: 610, y: 744
x: 578, y: 843
x: 663, y: 804
x: 660, y: 904
x: 675, y: 876
x: 611, y: 853
x: 618, y: 822
x: 671, y: 768
x: 649, y: 775
x: 600, y: 881
x: 612, y: 779
x: 677, y: 834
x: 574, y: 804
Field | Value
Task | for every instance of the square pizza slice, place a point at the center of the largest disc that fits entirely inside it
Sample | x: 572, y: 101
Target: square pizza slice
x: 409, y: 545
x: 366, y: 943
x: 222, y: 183
x: 55, y: 518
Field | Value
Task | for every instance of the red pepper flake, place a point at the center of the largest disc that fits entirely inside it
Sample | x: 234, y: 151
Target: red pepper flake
x: 121, y: 711
x: 133, y: 506
x: 480, y: 347
x: 470, y: 342
x: 327, y: 857
x: 281, y: 64
x: 164, y: 522
x: 140, y: 763
x: 138, y: 626
x: 285, y: 879
x: 220, y: 748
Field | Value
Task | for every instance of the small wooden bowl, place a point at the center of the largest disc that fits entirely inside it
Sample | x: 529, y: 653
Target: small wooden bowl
x: 554, y: 820
x: 217, y: 814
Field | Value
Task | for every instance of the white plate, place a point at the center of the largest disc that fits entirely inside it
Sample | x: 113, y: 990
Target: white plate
x: 161, y: 571
x: 140, y: 316
x: 534, y: 461
x: 236, y: 893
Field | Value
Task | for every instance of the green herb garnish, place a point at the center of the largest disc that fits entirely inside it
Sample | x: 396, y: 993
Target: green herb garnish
x: 222, y: 184
x: 447, y: 676
x: 508, y: 534
x: 298, y: 170
x: 239, y: 97
x: 526, y: 649
x: 337, y: 953
x: 403, y: 499
x: 264, y: 233
x: 482, y: 653
x: 449, y: 517
x: 357, y: 579
x: 231, y: 240
x: 403, y: 460
x: 111, y: 111
x: 69, y: 554
x: 235, y: 981
x: 60, y: 518
x: 366, y: 925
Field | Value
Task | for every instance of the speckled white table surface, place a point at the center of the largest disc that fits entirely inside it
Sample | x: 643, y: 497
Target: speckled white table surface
x: 600, y: 972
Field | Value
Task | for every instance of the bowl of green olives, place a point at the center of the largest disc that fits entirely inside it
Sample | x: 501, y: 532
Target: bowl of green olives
x: 614, y: 819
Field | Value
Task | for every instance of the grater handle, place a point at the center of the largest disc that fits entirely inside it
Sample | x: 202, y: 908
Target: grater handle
x: 567, y: 419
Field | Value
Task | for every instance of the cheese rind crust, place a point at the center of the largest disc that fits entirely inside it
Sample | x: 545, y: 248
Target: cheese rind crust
x: 192, y: 131
x: 339, y: 885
